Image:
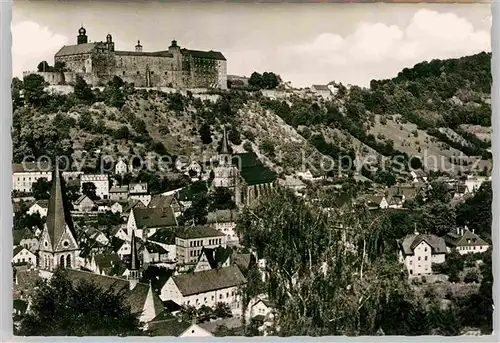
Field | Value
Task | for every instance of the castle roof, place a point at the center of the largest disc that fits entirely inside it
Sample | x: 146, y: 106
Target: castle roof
x: 58, y: 215
x: 215, y: 55
x: 85, y: 48
x: 142, y: 53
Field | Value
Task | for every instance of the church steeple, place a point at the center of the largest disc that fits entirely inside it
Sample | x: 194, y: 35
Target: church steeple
x: 134, y: 264
x: 224, y: 150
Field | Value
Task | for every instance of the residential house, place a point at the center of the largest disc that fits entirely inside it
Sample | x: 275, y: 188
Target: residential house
x: 167, y: 325
x: 103, y: 205
x: 376, y: 201
x: 84, y: 204
x: 103, y: 263
x: 321, y: 90
x: 25, y: 238
x: 419, y: 251
x: 116, y: 207
x: 40, y: 207
x: 206, y: 287
x: 154, y: 253
x: 120, y: 247
x: 190, y: 240
x: 131, y: 204
x: 473, y: 183
x: 418, y: 176
x: 139, y: 296
x: 118, y: 193
x: 225, y: 222
x: 139, y: 191
x: 194, y: 170
x: 23, y: 255
x: 244, y: 261
x: 214, y: 258
x: 164, y: 201
x: 121, y: 233
x: 100, y: 181
x: 97, y: 235
x: 465, y: 241
x: 404, y: 193
x: 145, y: 221
x: 165, y: 238
x: 25, y: 174
x: 121, y: 168
x: 295, y: 184
x: 259, y: 309
x: 461, y: 190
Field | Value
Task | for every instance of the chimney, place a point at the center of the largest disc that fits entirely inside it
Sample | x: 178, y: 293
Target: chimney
x: 473, y: 231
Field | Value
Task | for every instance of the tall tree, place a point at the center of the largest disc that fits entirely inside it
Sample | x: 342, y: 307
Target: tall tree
x: 61, y: 309
x: 41, y: 189
x: 34, y: 86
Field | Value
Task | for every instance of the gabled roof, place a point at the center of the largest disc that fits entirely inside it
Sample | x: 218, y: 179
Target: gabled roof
x: 154, y: 217
x: 154, y: 248
x: 31, y: 167
x: 119, y: 189
x: 133, y: 204
x: 201, y: 231
x: 19, y: 235
x: 468, y: 239
x: 106, y: 260
x: 43, y: 203
x: 209, y: 280
x: 164, y: 235
x: 436, y: 243
x: 81, y: 198
x: 135, y: 297
x: 243, y: 261
x: 161, y: 201
x: 217, y: 255
x: 17, y: 250
x: 67, y: 50
x: 58, y: 214
x: 321, y: 87
x: 143, y: 53
x: 166, y: 324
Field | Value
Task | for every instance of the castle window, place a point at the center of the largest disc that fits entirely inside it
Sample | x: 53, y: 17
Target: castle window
x: 123, y: 73
x: 166, y: 73
x: 137, y: 72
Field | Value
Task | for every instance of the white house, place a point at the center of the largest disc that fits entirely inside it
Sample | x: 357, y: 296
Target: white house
x: 122, y: 234
x: 22, y: 255
x: 418, y: 252
x: 145, y: 221
x: 206, y: 288
x: 225, y: 221
x: 24, y: 175
x: 259, y: 308
x: 139, y: 191
x: 118, y: 193
x: 321, y: 90
x: 465, y: 241
x: 84, y: 204
x: 100, y: 181
x: 377, y: 201
x: 40, y: 207
x: 473, y: 183
x: 121, y: 168
x: 116, y: 207
x: 213, y: 258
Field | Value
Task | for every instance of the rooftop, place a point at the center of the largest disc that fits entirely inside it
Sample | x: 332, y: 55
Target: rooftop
x: 154, y: 217
x: 209, y: 280
x: 191, y: 232
x: 436, y: 243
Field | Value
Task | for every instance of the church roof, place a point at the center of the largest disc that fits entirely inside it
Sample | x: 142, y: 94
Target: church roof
x: 77, y: 49
x: 58, y: 215
x: 136, y: 297
x: 209, y: 280
x: 134, y: 258
x: 252, y: 170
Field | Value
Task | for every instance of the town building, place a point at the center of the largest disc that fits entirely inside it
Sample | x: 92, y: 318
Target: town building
x: 118, y: 193
x: 419, y: 251
x: 99, y: 62
x: 321, y: 90
x: 84, y: 204
x: 465, y: 241
x: 121, y: 168
x: 25, y: 174
x: 103, y: 263
x: 166, y: 324
x: 164, y: 201
x: 206, y: 287
x: 58, y: 243
x: 100, y: 181
x: 40, y: 207
x: 190, y: 241
x: 219, y: 257
x: 225, y: 222
x: 145, y: 221
x: 23, y: 255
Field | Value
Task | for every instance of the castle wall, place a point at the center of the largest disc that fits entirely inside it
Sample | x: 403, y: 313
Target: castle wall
x: 53, y: 78
x: 222, y: 74
x: 78, y: 63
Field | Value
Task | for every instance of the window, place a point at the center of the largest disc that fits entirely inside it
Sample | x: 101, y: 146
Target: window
x: 220, y: 296
x: 137, y: 72
x: 123, y: 73
x: 425, y: 249
x: 419, y: 258
x: 425, y: 258
x: 411, y: 271
x: 212, y: 297
x: 188, y: 302
x: 227, y: 295
x: 205, y: 299
x: 411, y: 262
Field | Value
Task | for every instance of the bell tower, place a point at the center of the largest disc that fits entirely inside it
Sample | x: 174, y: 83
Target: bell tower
x: 82, y: 36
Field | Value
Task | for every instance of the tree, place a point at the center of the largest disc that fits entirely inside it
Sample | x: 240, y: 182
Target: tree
x: 82, y: 90
x: 60, y: 308
x: 234, y: 136
x: 89, y: 189
x: 205, y: 134
x: 41, y: 189
x: 477, y: 211
x: 222, y: 310
x: 16, y: 88
x: 255, y: 80
x: 60, y: 66
x: 44, y: 66
x: 34, y: 89
x: 222, y: 199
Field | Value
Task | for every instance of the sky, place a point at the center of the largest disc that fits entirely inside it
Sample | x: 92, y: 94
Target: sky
x: 304, y: 43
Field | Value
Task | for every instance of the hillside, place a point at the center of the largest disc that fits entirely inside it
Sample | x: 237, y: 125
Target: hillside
x: 438, y: 107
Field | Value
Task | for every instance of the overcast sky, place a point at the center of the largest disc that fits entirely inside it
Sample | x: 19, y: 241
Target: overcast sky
x: 304, y: 43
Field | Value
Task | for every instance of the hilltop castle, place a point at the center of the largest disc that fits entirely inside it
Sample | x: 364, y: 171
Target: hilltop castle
x: 99, y: 62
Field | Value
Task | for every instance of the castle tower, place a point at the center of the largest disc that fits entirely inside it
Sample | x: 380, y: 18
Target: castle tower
x: 224, y: 155
x: 109, y: 43
x: 58, y: 244
x: 82, y: 37
x: 134, y: 264
x: 138, y: 47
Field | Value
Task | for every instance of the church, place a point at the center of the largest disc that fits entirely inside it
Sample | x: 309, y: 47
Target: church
x: 243, y: 174
x: 98, y: 62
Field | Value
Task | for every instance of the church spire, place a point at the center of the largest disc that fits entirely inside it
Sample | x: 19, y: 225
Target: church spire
x: 58, y: 215
x: 224, y: 148
x: 134, y: 258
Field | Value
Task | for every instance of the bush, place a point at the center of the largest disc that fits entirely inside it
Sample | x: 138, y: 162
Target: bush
x: 472, y: 276
x: 267, y: 147
x: 247, y: 146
